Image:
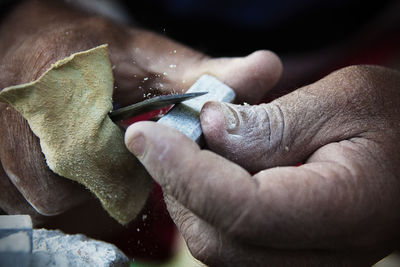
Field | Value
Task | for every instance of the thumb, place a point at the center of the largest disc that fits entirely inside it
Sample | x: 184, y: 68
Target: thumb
x: 251, y: 77
x: 288, y: 130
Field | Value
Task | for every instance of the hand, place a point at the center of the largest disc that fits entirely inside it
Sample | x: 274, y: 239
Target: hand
x: 38, y: 33
x: 340, y: 208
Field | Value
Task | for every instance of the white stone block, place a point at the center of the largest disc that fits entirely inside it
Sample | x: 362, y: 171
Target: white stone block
x: 54, y: 248
x: 15, y: 240
x: 185, y: 116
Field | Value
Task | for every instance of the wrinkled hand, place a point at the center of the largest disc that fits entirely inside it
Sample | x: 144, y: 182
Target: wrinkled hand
x: 38, y: 33
x: 340, y: 208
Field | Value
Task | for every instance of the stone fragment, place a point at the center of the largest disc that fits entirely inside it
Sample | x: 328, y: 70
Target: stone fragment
x: 54, y: 248
x: 15, y: 240
x: 185, y: 116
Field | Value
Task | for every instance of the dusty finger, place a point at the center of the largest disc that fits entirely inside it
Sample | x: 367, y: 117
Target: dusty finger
x: 212, y: 187
x: 288, y: 130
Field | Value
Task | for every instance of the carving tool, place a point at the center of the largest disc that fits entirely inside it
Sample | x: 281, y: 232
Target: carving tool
x: 150, y: 105
x: 184, y: 116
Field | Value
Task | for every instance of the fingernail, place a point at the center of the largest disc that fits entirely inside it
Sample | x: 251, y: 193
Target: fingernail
x: 137, y: 145
x: 231, y: 117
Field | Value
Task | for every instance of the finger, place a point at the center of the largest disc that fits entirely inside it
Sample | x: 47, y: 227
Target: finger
x: 251, y: 77
x: 214, y: 248
x: 159, y: 65
x: 25, y: 165
x: 288, y: 130
x: 333, y: 201
x: 213, y: 188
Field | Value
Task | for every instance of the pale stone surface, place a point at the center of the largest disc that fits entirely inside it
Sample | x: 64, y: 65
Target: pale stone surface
x: 54, y: 248
x: 15, y: 222
x: 185, y: 116
x: 15, y: 240
x: 22, y: 246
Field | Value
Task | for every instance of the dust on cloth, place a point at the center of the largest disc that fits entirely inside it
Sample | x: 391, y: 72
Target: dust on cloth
x: 67, y: 108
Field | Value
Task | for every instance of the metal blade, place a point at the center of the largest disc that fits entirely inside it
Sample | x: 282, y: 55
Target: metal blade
x: 150, y: 104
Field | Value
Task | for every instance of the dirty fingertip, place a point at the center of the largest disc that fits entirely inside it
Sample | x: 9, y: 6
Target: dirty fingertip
x: 135, y: 140
x: 218, y: 121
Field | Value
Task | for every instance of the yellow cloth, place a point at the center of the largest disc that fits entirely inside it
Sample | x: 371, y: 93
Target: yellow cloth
x: 67, y: 108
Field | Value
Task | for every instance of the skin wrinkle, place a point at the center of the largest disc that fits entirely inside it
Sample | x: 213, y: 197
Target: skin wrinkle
x: 47, y: 54
x: 323, y: 119
x: 260, y: 148
x: 220, y: 249
x: 250, y: 138
x: 276, y: 126
x: 350, y: 177
x: 286, y: 199
x: 235, y: 254
x: 241, y: 221
x: 198, y: 241
x: 185, y: 218
x: 253, y: 139
x: 265, y: 205
x: 344, y: 165
x: 279, y: 224
x: 318, y: 124
x: 39, y: 64
x: 237, y: 119
x: 254, y: 124
x: 338, y: 196
x: 268, y: 123
x: 196, y: 238
x: 182, y: 192
x: 203, y: 251
x: 287, y: 202
x: 360, y: 235
x: 185, y: 222
x: 200, y: 201
x: 373, y: 157
x: 282, y: 120
x: 321, y: 128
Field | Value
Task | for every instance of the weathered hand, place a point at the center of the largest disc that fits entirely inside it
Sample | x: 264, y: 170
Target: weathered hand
x: 340, y: 208
x: 38, y: 33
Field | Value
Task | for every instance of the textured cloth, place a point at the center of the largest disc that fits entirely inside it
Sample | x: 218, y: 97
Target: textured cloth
x: 67, y: 108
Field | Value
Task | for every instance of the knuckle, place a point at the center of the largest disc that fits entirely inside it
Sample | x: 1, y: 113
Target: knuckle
x: 359, y: 79
x: 364, y: 89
